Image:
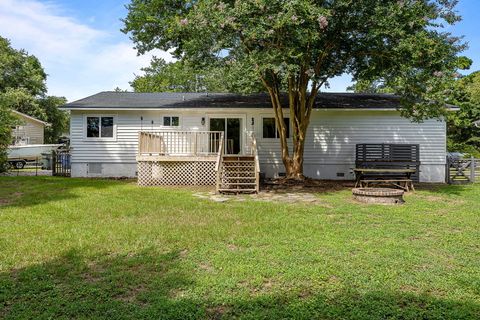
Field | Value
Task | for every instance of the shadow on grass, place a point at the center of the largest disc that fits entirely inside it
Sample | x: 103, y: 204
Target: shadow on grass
x: 31, y: 191
x: 149, y: 285
x: 444, y: 189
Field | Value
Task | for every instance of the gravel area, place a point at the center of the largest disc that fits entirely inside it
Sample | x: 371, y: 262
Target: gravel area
x: 266, y: 196
x: 27, y: 172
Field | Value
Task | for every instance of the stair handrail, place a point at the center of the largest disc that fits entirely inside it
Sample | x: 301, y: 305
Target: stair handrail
x: 254, y: 152
x: 218, y: 165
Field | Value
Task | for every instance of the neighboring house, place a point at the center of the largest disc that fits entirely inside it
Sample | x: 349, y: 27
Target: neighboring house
x: 105, y: 131
x: 29, y: 130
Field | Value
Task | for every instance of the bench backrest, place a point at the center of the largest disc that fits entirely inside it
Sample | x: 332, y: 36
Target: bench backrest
x: 383, y: 155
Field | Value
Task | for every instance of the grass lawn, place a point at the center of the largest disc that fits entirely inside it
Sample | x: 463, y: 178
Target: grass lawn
x: 77, y: 248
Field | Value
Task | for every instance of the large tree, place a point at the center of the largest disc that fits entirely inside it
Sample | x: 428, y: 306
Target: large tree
x: 463, y: 133
x: 23, y: 88
x: 298, y: 45
x: 18, y: 69
x: 181, y: 76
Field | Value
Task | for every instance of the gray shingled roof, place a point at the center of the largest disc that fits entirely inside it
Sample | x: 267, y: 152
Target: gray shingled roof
x: 132, y: 100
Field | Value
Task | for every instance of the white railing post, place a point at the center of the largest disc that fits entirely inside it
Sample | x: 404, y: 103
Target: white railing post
x: 139, y: 143
x: 195, y: 143
x: 218, y: 166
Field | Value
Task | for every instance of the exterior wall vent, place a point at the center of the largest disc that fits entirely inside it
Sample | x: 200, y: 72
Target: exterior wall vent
x: 340, y: 174
x: 95, y: 168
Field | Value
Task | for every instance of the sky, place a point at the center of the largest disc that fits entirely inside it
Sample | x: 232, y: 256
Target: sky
x: 83, y: 51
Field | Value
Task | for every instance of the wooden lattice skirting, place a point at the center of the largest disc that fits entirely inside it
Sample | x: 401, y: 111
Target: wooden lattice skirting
x: 183, y: 173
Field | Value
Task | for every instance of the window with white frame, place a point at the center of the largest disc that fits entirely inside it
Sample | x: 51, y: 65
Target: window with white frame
x: 99, y: 126
x: 270, y: 129
x: 171, y: 121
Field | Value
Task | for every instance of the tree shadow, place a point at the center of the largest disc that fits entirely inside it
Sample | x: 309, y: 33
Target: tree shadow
x: 30, y: 191
x: 73, y: 286
x: 164, y: 286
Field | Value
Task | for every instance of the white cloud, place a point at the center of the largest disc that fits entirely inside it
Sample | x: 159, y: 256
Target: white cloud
x: 79, y: 59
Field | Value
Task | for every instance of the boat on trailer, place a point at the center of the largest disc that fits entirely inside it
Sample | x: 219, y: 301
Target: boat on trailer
x: 19, y: 155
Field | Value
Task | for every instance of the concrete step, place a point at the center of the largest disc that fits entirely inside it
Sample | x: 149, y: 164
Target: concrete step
x: 238, y: 190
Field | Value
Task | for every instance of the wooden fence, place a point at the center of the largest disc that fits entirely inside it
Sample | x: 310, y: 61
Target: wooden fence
x: 463, y: 170
x: 61, y: 163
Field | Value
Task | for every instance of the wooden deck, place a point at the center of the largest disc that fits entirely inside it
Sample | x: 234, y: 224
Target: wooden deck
x: 196, y: 158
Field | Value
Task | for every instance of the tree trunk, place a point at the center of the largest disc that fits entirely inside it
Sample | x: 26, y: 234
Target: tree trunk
x: 300, y: 106
x: 294, y: 165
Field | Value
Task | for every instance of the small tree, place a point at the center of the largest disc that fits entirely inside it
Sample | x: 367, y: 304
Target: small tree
x: 298, y: 45
x: 6, y: 123
x: 58, y: 119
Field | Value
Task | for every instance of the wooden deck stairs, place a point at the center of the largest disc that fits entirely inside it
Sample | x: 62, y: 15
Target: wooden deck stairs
x: 239, y: 173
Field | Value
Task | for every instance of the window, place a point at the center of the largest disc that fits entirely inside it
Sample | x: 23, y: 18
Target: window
x: 99, y: 127
x: 270, y: 129
x: 171, y: 121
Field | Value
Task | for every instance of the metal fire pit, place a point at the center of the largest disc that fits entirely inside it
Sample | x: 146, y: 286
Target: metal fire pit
x: 378, y: 195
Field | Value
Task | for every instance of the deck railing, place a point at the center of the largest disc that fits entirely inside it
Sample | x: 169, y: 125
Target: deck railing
x: 254, y: 152
x: 179, y: 143
x: 219, y: 163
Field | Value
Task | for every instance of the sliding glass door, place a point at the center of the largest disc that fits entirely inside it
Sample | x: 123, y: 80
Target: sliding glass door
x: 232, y: 128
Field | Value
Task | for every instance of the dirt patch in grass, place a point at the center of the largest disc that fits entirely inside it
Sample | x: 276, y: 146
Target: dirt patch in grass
x: 4, y: 202
x: 91, y: 278
x: 274, y: 196
x: 11, y: 198
x: 216, y: 312
x: 132, y: 294
x: 183, y: 253
x: 409, y: 289
x: 232, y: 247
x: 205, y: 266
x: 308, y: 185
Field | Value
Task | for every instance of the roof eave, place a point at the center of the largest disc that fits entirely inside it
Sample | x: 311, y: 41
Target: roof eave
x: 78, y: 108
x: 32, y: 118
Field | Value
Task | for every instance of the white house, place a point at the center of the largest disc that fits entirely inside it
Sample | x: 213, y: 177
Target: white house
x: 29, y: 130
x: 105, y: 131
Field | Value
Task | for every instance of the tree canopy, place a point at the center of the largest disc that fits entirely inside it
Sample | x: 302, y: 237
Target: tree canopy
x: 181, y: 76
x: 299, y: 45
x: 23, y: 88
x: 18, y: 69
x: 463, y: 134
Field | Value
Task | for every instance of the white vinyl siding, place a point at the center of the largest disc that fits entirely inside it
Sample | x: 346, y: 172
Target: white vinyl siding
x: 332, y: 136
x: 30, y: 129
x: 329, y: 148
